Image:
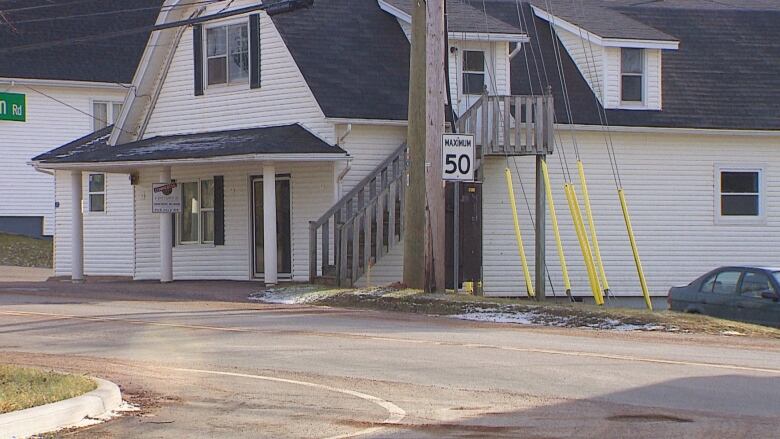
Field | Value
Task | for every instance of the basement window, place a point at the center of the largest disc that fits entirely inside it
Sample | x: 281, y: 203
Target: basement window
x: 632, y: 75
x: 227, y: 54
x: 97, y: 192
x: 740, y: 193
x: 473, y: 72
x: 196, y: 220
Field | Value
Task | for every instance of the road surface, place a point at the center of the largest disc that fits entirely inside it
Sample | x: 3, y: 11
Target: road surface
x: 205, y: 368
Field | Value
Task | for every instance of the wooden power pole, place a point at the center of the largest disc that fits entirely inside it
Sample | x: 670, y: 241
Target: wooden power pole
x: 414, y: 209
x: 424, y: 251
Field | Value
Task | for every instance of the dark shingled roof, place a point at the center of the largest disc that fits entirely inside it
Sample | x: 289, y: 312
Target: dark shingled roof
x: 354, y: 56
x: 463, y: 17
x: 284, y: 139
x: 43, y: 22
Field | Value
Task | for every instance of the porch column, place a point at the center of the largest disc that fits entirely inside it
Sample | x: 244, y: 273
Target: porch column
x: 166, y: 235
x: 269, y: 224
x: 76, y: 228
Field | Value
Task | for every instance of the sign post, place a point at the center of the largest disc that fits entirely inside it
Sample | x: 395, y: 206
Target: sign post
x: 458, y: 161
x: 166, y: 198
x: 13, y: 107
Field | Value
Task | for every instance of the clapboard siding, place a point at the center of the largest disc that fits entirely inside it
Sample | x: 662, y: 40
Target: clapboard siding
x: 233, y: 260
x: 669, y: 183
x: 26, y: 192
x: 652, y: 78
x: 283, y: 98
x: 496, y: 70
x: 369, y: 146
x: 587, y: 56
x: 108, y: 236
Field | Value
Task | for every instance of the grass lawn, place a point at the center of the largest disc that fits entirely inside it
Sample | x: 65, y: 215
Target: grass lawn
x: 23, y: 251
x: 22, y: 387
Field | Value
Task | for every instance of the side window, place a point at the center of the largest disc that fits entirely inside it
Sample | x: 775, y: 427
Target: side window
x: 196, y: 220
x: 473, y: 72
x: 753, y: 284
x: 726, y: 282
x: 104, y: 114
x: 740, y: 192
x: 631, y: 74
x: 227, y: 54
x: 708, y: 284
x: 97, y: 192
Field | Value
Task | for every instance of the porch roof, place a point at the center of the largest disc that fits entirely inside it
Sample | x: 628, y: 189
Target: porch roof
x: 253, y: 143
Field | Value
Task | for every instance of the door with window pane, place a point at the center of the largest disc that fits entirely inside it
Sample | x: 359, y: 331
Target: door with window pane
x: 283, y: 228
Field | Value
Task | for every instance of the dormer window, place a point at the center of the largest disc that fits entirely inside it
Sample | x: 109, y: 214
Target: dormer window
x: 632, y: 75
x: 227, y: 54
x: 473, y: 72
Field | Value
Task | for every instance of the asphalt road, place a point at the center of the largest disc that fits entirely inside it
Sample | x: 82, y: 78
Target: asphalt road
x: 231, y: 369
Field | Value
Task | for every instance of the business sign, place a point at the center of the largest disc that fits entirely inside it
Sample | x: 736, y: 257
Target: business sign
x: 166, y: 198
x: 458, y: 157
x: 13, y: 107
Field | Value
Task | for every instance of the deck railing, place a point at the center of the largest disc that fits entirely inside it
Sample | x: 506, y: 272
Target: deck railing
x: 510, y: 125
x: 361, y: 227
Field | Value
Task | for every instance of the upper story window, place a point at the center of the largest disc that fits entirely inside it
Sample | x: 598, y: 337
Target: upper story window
x: 632, y: 68
x: 473, y: 72
x: 97, y: 192
x: 739, y: 192
x: 227, y: 54
x: 104, y: 114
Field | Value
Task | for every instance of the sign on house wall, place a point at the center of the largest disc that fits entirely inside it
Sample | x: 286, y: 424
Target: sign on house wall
x: 457, y: 157
x: 13, y: 107
x: 166, y: 198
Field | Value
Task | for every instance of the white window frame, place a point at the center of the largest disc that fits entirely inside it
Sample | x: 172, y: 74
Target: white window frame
x: 759, y: 219
x: 90, y: 193
x: 201, y: 209
x: 110, y: 116
x: 464, y: 72
x: 204, y: 45
x: 643, y: 75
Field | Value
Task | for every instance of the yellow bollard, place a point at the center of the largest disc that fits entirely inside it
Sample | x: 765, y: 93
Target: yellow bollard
x: 592, y: 226
x: 632, y: 240
x: 556, y: 231
x: 520, y: 248
x: 582, y: 237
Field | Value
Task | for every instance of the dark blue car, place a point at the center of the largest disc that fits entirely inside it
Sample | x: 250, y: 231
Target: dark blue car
x: 748, y: 294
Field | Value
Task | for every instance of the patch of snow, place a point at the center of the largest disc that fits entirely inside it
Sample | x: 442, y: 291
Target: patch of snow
x: 540, y: 318
x: 292, y: 295
x: 124, y: 407
x: 735, y: 333
x: 497, y: 317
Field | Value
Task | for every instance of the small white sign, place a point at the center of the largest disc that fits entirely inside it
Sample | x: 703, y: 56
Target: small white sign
x: 458, y: 157
x: 166, y: 198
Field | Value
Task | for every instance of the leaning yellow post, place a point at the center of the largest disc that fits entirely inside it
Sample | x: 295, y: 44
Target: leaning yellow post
x: 556, y: 231
x: 592, y: 226
x: 520, y: 248
x: 579, y: 227
x: 630, y: 230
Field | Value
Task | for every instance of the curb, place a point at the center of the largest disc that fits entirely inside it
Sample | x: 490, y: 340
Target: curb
x: 50, y: 417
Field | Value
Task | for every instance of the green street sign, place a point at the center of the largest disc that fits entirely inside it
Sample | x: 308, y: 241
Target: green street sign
x: 13, y: 107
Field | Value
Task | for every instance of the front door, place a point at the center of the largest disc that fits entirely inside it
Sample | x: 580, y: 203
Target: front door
x: 283, y: 228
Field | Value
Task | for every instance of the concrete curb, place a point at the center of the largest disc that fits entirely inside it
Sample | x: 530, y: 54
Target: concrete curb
x: 50, y: 417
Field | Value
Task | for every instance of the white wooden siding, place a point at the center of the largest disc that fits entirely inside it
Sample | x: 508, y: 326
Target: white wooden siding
x: 652, y: 79
x: 284, y: 97
x: 50, y: 124
x: 587, y: 56
x: 497, y: 77
x: 108, y: 236
x: 369, y: 145
x: 232, y: 261
x: 669, y: 183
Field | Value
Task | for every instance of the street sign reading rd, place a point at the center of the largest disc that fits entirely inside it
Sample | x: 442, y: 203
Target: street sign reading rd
x: 458, y: 157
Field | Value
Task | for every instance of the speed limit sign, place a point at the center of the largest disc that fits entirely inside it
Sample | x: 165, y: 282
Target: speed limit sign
x: 457, y: 154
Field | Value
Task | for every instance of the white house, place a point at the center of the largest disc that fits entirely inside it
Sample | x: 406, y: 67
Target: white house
x: 62, y: 90
x: 315, y: 100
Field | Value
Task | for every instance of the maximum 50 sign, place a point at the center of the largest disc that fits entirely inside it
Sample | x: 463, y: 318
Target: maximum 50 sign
x: 458, y: 157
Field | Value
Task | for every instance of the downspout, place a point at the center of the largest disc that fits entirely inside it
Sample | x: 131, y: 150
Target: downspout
x: 515, y: 51
x: 346, y: 169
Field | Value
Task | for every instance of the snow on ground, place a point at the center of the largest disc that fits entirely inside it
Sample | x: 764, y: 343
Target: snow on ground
x: 541, y: 318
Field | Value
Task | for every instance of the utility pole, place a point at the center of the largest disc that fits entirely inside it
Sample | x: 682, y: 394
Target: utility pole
x: 414, y: 209
x: 436, y: 99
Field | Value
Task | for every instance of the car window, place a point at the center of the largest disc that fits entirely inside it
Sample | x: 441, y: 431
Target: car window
x: 753, y: 284
x: 726, y: 282
x: 706, y: 286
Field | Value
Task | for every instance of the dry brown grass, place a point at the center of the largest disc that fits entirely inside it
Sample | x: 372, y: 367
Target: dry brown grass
x: 23, y: 251
x: 23, y: 387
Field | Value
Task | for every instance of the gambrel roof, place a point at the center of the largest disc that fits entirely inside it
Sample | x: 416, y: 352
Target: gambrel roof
x: 90, y: 41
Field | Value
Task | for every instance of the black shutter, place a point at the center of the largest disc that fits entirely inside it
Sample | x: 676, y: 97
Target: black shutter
x: 197, y: 56
x: 254, y: 49
x: 173, y: 225
x: 219, y: 210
